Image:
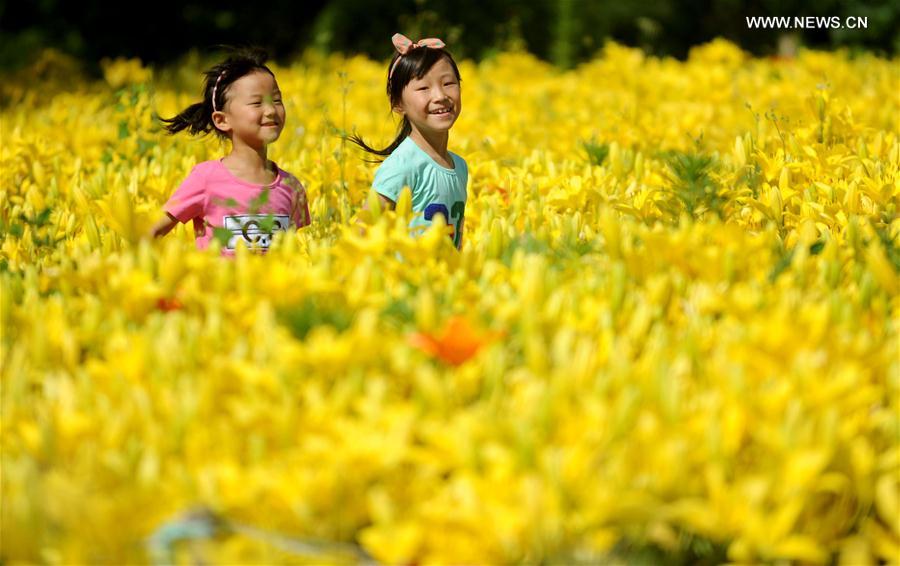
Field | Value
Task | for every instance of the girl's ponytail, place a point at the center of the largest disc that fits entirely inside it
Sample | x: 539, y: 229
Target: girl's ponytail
x: 402, y: 134
x: 196, y: 119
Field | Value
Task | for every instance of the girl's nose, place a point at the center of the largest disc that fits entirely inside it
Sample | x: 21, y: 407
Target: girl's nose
x: 440, y: 95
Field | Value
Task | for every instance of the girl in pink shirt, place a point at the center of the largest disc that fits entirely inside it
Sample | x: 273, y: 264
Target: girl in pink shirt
x: 243, y: 197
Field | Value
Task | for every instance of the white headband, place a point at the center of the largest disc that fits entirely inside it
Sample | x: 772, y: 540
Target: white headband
x: 214, y: 91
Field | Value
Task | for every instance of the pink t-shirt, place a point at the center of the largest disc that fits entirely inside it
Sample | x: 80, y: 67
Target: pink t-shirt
x: 214, y: 198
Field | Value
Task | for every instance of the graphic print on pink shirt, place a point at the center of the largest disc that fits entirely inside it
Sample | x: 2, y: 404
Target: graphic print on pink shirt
x: 212, y: 197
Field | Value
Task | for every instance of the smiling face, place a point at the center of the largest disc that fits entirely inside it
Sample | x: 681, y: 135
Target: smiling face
x: 434, y: 102
x: 253, y: 113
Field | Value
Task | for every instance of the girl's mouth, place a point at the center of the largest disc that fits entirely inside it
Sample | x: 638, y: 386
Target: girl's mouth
x: 441, y: 111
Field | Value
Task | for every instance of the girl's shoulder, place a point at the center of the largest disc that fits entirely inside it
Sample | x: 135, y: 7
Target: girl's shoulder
x: 406, y: 152
x: 459, y: 161
x: 208, y: 165
x: 288, y: 179
x: 460, y: 168
x: 411, y: 157
x: 403, y: 160
x: 205, y: 169
x: 200, y: 172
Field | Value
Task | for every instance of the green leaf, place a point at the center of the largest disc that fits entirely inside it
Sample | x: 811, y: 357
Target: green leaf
x: 783, y: 262
x: 145, y: 145
x: 43, y: 217
x: 267, y: 223
x: 691, y: 182
x: 222, y: 235
x: 597, y: 153
x: 226, y: 203
x: 301, y: 318
x: 255, y: 204
x: 399, y: 311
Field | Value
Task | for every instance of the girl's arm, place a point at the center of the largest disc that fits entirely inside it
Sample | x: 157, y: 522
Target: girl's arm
x: 163, y: 226
x: 385, y: 202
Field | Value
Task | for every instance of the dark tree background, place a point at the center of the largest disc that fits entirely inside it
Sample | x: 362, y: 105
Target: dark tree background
x: 565, y: 32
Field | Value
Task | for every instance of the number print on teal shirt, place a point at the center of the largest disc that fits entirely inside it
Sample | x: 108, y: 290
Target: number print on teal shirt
x: 454, y: 217
x: 459, y: 212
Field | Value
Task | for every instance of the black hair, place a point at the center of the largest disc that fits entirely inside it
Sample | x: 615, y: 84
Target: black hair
x: 414, y: 65
x: 197, y: 118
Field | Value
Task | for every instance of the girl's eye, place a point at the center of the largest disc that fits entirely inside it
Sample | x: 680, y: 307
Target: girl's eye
x: 255, y: 103
x: 422, y: 88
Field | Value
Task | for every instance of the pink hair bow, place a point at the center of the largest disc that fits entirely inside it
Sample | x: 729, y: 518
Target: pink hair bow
x: 404, y: 44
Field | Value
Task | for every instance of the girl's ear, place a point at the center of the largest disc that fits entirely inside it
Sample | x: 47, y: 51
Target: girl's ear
x: 220, y: 121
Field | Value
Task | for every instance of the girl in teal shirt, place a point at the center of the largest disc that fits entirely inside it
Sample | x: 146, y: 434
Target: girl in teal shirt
x: 423, y: 87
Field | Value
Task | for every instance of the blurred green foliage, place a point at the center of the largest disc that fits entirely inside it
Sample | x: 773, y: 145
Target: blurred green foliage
x: 564, y: 32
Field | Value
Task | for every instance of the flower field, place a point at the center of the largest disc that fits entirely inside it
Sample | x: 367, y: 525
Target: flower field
x: 671, y: 334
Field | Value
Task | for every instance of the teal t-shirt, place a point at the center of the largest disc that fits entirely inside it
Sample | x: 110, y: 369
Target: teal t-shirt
x: 435, y: 189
